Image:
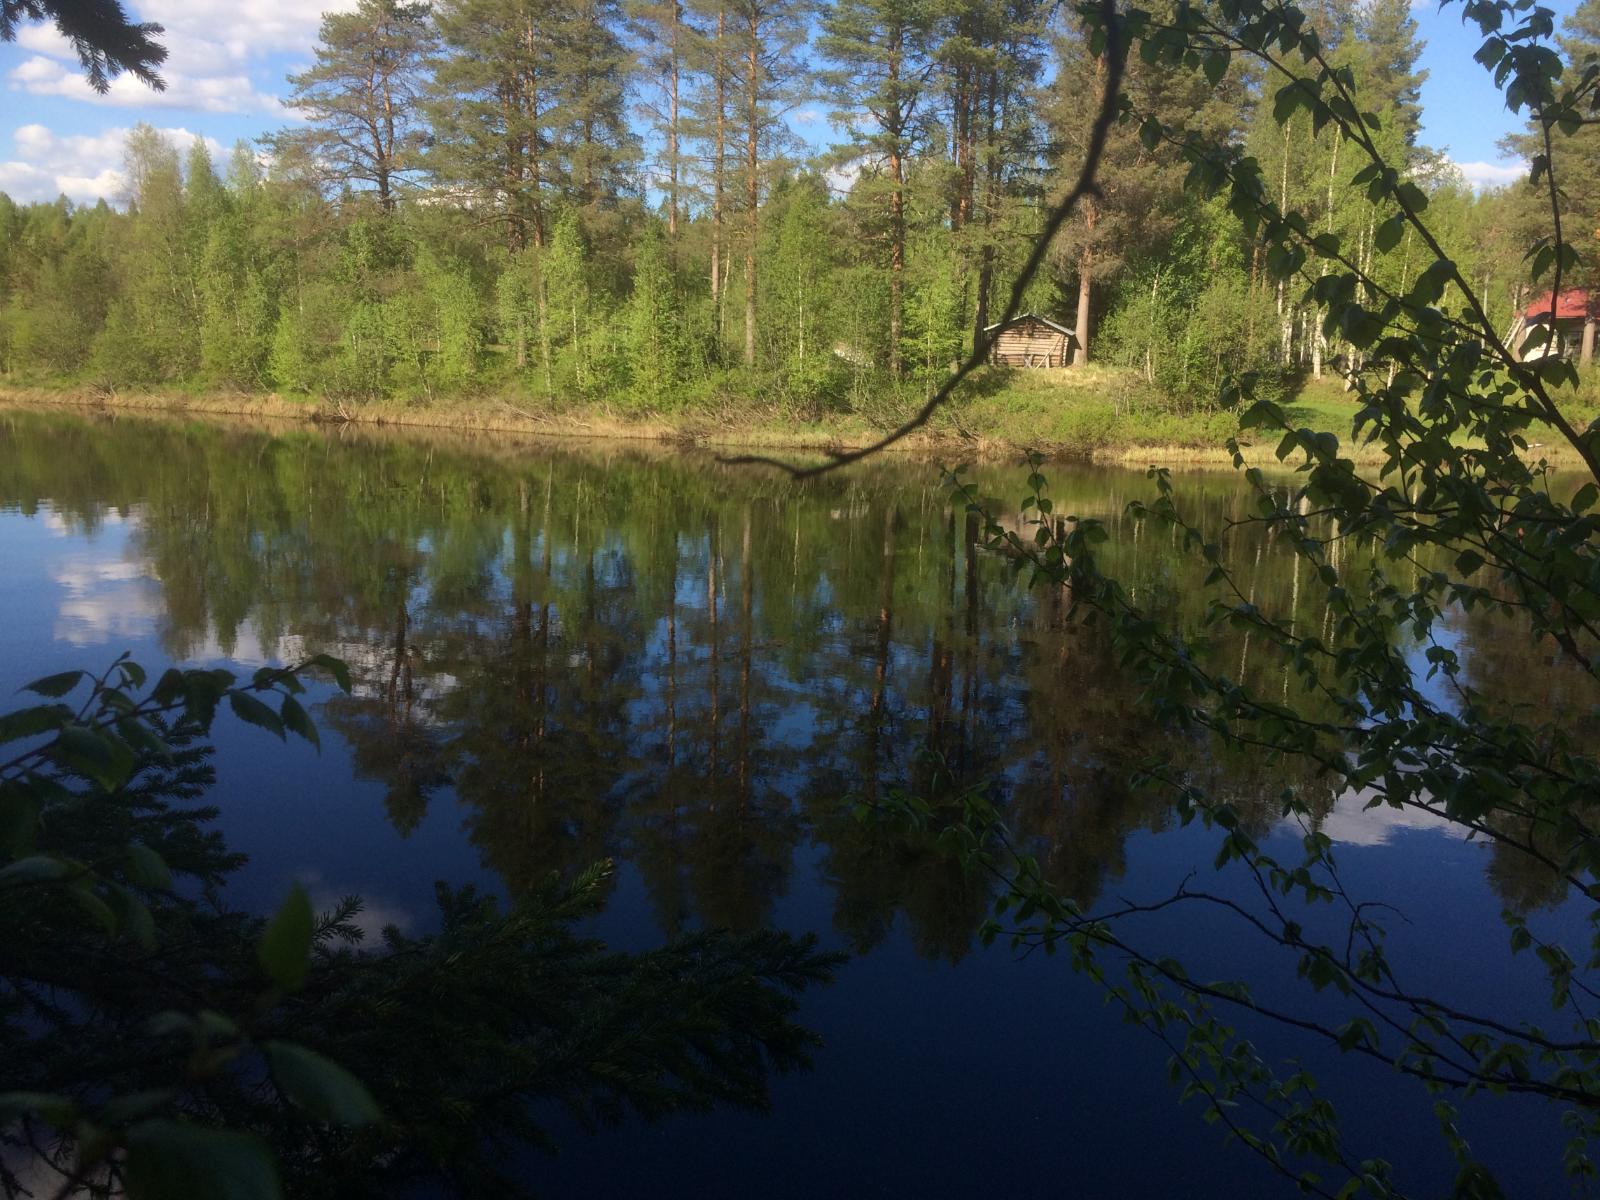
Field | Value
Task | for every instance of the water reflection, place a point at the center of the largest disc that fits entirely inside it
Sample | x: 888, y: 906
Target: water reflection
x: 618, y: 652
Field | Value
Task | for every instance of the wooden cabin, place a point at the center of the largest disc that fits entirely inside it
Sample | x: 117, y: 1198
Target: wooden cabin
x: 1030, y: 341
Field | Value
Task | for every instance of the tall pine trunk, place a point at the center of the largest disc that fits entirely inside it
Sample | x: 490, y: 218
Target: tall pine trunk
x: 752, y: 181
x: 673, y: 73
x: 719, y: 155
x: 1080, y: 329
x: 991, y: 196
x: 897, y: 221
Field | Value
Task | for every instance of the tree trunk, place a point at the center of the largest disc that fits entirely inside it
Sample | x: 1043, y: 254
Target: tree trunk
x: 544, y: 333
x: 752, y: 182
x: 897, y: 220
x: 1586, y: 350
x: 530, y: 148
x: 719, y: 153
x: 672, y: 128
x: 1319, y: 339
x: 991, y: 190
x: 1080, y: 330
x: 385, y: 156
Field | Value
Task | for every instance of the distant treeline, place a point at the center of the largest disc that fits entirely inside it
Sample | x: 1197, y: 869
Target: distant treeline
x: 569, y: 199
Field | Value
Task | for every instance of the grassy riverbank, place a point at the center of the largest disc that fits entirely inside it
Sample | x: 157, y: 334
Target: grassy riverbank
x: 1097, y: 412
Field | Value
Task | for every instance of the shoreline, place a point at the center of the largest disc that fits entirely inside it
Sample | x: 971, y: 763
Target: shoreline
x: 487, y: 416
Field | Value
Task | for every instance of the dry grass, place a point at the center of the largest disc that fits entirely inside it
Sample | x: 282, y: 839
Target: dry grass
x: 496, y: 415
x: 1095, y: 411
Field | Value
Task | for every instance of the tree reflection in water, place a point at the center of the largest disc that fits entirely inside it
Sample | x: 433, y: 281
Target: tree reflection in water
x: 617, y: 652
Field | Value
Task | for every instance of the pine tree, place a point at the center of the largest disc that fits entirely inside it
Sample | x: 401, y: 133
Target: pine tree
x: 766, y: 69
x: 711, y: 50
x: 527, y: 106
x: 360, y: 98
x: 1141, y: 201
x: 602, y: 151
x: 989, y: 58
x: 106, y: 42
x: 1390, y: 50
x: 879, y: 86
x: 662, y: 29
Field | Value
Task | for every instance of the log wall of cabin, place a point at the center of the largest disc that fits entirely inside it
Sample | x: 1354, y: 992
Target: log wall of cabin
x: 1029, y: 344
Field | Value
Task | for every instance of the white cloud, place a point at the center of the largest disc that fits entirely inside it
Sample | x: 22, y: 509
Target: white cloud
x: 83, y: 167
x: 212, y: 48
x: 226, y: 93
x: 808, y: 116
x: 104, y: 600
x: 843, y: 177
x: 1492, y: 174
x: 1352, y: 823
x: 43, y: 39
x: 223, y: 56
x: 263, y: 26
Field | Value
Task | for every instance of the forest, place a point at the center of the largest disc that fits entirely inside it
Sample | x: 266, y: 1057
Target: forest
x: 579, y: 202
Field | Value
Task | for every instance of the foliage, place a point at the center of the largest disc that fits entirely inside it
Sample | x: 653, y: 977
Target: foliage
x: 159, y: 1042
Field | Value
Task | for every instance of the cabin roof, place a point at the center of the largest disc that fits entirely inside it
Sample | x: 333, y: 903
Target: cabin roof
x: 1021, y: 317
x: 1573, y: 304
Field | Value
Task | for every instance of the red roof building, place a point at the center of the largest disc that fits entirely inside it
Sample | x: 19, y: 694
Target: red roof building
x: 1573, y: 304
x: 1538, y: 334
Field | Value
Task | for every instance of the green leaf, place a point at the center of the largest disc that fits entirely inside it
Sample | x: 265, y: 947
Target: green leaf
x: 1284, y: 103
x: 285, y: 948
x: 1389, y: 233
x: 1468, y: 561
x: 147, y: 868
x: 335, y: 667
x: 55, y: 685
x: 30, y: 722
x: 248, y: 709
x: 172, y: 1159
x: 319, y: 1085
x: 93, y: 753
x: 136, y: 920
x: 38, y: 868
x: 296, y: 721
x: 101, y: 913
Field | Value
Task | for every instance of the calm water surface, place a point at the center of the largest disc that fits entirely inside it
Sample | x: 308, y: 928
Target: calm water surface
x: 563, y: 655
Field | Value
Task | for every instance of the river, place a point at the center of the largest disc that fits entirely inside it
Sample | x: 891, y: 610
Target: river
x: 564, y: 654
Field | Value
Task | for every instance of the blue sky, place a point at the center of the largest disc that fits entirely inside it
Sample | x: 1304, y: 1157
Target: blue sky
x: 228, y: 58
x: 1461, y: 110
